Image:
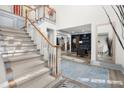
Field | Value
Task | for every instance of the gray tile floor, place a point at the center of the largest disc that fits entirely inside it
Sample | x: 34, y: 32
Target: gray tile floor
x: 92, y: 76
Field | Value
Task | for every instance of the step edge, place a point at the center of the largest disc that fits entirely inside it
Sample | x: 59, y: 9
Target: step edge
x: 19, y: 82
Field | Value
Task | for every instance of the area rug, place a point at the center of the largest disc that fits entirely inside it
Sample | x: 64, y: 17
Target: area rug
x: 68, y: 83
x: 92, y: 76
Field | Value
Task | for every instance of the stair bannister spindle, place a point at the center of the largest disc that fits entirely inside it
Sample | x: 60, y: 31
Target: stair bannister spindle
x: 52, y: 50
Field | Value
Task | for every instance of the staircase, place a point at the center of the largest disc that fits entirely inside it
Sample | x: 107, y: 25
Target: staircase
x: 24, y: 66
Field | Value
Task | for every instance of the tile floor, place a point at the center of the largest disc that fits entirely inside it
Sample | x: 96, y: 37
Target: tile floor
x: 92, y: 76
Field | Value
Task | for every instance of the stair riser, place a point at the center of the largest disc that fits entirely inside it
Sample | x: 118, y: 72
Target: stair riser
x: 11, y: 29
x: 16, y: 39
x: 18, y: 72
x: 17, y: 46
x: 12, y: 49
x: 13, y: 34
x: 18, y: 61
x: 30, y: 83
x: 20, y: 53
x: 22, y: 38
x: 12, y: 42
x: 26, y: 65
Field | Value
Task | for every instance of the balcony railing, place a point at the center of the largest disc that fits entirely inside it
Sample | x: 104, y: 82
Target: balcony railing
x: 36, y: 13
x: 42, y: 12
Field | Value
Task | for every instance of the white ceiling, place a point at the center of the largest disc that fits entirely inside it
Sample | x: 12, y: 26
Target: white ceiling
x: 77, y: 29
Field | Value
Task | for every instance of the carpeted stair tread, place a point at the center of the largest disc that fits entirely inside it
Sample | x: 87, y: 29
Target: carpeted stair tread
x: 21, y: 57
x: 40, y: 82
x: 30, y: 76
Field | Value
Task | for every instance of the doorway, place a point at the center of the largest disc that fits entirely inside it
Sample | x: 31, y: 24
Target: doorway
x: 105, y: 44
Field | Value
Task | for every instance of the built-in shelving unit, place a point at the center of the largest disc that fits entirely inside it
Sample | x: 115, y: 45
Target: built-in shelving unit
x: 81, y: 43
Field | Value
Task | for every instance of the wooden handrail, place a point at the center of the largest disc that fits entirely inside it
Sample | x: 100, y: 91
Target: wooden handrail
x: 53, y: 58
x: 42, y: 34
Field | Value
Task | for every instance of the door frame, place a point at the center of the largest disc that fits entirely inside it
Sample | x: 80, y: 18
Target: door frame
x: 113, y: 44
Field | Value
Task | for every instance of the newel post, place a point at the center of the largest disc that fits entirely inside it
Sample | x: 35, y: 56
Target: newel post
x: 3, y: 81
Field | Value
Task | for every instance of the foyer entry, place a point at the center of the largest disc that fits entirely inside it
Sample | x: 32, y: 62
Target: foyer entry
x: 79, y: 40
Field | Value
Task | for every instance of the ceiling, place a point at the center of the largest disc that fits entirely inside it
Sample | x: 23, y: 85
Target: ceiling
x: 78, y: 29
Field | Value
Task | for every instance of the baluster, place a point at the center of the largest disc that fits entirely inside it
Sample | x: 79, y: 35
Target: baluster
x: 40, y: 13
x: 58, y: 59
x: 51, y: 53
x: 35, y: 15
x: 54, y: 61
x: 43, y: 47
x: 52, y: 57
x: 49, y: 56
x: 45, y: 50
x: 41, y: 43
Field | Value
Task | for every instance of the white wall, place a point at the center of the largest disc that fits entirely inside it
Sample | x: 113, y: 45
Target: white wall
x: 11, y: 20
x: 6, y: 7
x: 69, y: 16
x: 119, y: 51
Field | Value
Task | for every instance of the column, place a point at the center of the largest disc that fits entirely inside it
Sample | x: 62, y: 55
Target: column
x: 93, y: 43
x: 65, y: 39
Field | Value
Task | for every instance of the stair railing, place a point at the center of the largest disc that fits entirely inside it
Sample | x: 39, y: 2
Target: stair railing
x: 119, y: 11
x: 119, y: 39
x: 52, y: 52
x: 42, y: 12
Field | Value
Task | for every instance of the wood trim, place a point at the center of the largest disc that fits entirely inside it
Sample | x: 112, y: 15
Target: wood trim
x: 12, y: 83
